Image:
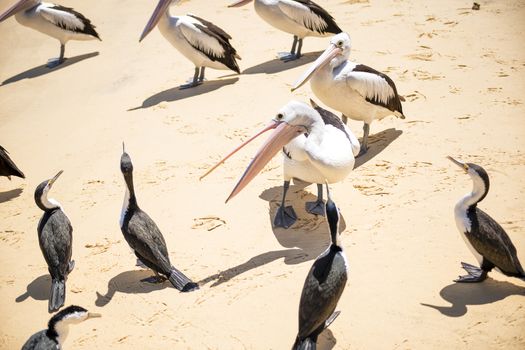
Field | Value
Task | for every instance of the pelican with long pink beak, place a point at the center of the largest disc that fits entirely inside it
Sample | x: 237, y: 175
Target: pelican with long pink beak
x: 301, y: 18
x: 200, y: 41
x: 317, y: 148
x: 59, y: 22
x: 357, y: 91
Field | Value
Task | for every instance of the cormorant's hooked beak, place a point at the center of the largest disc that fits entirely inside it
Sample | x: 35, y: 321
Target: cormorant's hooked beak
x: 282, y: 134
x: 161, y: 8
x: 93, y: 315
x: 331, y: 52
x: 464, y: 166
x: 19, y: 6
x: 52, y: 181
x: 240, y: 3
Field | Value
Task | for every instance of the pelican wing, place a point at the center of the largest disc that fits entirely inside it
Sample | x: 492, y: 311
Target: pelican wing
x: 375, y: 86
x: 210, y: 40
x: 310, y: 15
x: 68, y: 19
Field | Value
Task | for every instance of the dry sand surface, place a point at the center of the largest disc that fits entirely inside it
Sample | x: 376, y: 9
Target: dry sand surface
x: 463, y: 75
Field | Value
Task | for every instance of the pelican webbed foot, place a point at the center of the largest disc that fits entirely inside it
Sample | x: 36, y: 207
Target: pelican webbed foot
x: 285, y: 217
x: 315, y: 208
x: 55, y: 62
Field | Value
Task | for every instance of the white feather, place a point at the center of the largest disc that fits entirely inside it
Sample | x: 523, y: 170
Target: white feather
x: 60, y: 18
x: 369, y: 85
x: 302, y: 15
x: 199, y: 39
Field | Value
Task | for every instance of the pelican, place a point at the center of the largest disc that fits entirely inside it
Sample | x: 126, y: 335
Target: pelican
x: 486, y: 239
x: 59, y: 22
x: 301, y: 18
x: 200, y: 41
x: 317, y: 147
x: 356, y: 90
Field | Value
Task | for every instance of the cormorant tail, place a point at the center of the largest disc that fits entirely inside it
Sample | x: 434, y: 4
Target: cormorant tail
x: 305, y: 344
x: 181, y: 282
x: 58, y: 295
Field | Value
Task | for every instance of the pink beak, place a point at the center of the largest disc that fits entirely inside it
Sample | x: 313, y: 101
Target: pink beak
x: 240, y: 3
x: 161, y: 8
x: 331, y: 52
x: 19, y: 6
x: 282, y: 134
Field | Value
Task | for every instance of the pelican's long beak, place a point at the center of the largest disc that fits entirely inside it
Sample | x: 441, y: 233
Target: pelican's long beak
x: 282, y: 134
x: 93, y: 315
x: 331, y: 52
x: 19, y: 6
x: 459, y: 164
x: 161, y: 8
x: 52, y: 181
x: 240, y: 3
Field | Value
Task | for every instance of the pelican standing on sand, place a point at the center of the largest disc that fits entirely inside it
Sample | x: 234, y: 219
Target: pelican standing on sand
x: 301, y: 18
x: 200, y: 41
x: 59, y: 22
x: 145, y: 238
x: 55, y: 235
x: 356, y: 90
x: 54, y: 336
x: 486, y: 239
x: 7, y: 166
x: 317, y: 148
x: 323, y: 286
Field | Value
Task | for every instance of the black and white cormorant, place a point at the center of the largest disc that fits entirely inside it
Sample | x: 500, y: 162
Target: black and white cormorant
x: 323, y: 286
x: 486, y: 239
x: 59, y: 22
x: 7, y: 166
x: 53, y: 337
x: 55, y: 235
x: 145, y: 238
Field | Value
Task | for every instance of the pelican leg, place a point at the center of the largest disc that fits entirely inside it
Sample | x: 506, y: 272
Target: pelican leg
x: 364, y: 142
x: 201, y: 76
x: 285, y: 216
x: 52, y: 63
x: 290, y: 56
x: 317, y: 207
x: 194, y: 82
x: 475, y: 274
x: 154, y: 279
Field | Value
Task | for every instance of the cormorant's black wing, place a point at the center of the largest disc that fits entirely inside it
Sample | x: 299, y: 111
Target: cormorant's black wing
x: 321, y: 292
x: 491, y: 241
x: 7, y: 166
x: 144, y: 237
x: 55, y: 235
x: 39, y: 341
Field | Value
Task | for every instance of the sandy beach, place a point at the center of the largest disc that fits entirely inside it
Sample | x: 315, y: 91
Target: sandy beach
x: 462, y: 73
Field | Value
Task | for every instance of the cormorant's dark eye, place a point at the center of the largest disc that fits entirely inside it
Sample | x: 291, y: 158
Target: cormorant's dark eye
x: 280, y: 116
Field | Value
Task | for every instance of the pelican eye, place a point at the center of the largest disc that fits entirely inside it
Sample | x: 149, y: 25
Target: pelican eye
x: 280, y: 116
x: 340, y: 43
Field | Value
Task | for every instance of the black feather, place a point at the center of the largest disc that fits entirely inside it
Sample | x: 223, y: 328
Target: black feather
x: 394, y: 102
x: 89, y: 28
x: 331, y: 26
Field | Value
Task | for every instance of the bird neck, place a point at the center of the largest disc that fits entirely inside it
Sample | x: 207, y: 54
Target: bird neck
x: 478, y: 193
x: 59, y: 332
x: 47, y: 204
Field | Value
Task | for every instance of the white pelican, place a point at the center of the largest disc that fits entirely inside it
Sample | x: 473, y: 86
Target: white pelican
x: 301, y: 18
x: 200, y: 41
x: 317, y: 148
x: 59, y: 22
x: 356, y: 90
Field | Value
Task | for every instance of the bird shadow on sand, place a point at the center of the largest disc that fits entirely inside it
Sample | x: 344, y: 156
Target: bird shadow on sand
x: 175, y: 94
x: 310, y: 233
x: 326, y: 340
x: 460, y: 295
x: 38, y: 289
x: 129, y: 282
x: 43, y: 69
x: 376, y: 144
x: 276, y: 65
x: 8, y: 195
